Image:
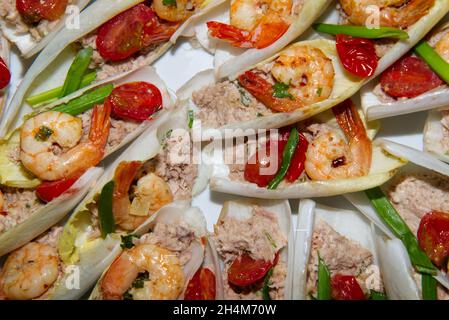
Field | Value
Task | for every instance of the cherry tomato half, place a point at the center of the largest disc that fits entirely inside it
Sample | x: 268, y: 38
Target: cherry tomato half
x: 433, y: 236
x: 135, y: 101
x: 258, y: 169
x: 408, y: 78
x: 5, y: 74
x: 299, y: 157
x: 244, y: 270
x: 33, y: 11
x: 49, y: 190
x: 201, y: 286
x: 357, y: 55
x: 346, y: 288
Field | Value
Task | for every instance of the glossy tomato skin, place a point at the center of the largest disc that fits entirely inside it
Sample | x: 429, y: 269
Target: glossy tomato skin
x: 5, y: 74
x: 201, y: 286
x: 33, y: 11
x: 297, y: 164
x: 345, y: 287
x: 136, y: 101
x: 245, y: 271
x: 409, y: 77
x: 433, y: 236
x: 357, y: 55
x: 49, y: 190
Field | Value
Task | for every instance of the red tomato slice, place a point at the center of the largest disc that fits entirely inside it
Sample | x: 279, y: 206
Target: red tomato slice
x: 408, y: 78
x: 346, y: 288
x: 5, y: 74
x: 135, y: 101
x: 433, y: 236
x: 357, y: 55
x: 297, y: 164
x: 201, y: 286
x: 33, y: 11
x: 49, y: 190
x: 244, y: 270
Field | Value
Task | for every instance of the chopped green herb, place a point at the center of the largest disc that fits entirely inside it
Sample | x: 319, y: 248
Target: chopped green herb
x: 28, y: 206
x: 127, y: 296
x: 127, y: 241
x: 191, y: 118
x: 270, y: 239
x: 259, y: 115
x: 76, y: 72
x: 106, y: 217
x: 376, y: 295
x: 324, y: 281
x: 168, y: 133
x: 244, y: 98
x: 280, y: 90
x: 266, y: 283
x: 169, y: 2
x: 140, y: 280
x: 428, y: 287
x: 318, y: 91
x: 43, y: 134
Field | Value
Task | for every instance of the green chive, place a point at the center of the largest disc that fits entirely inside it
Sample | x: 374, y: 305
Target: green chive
x: 361, y: 32
x: 266, y: 282
x: 391, y: 217
x: 433, y: 59
x: 106, y: 217
x: 191, y: 118
x: 43, y: 134
x: 287, y: 156
x: 270, y: 239
x: 280, y: 90
x: 429, y: 287
x: 86, y: 101
x: 324, y: 281
x: 76, y: 71
x: 53, y: 94
x: 376, y: 295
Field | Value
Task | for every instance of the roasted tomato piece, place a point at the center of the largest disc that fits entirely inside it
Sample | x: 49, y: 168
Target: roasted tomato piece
x: 33, y: 11
x: 408, y: 78
x: 357, y: 55
x: 245, y: 271
x: 433, y: 236
x: 201, y: 286
x: 5, y: 74
x: 49, y: 190
x: 346, y: 288
x: 135, y: 101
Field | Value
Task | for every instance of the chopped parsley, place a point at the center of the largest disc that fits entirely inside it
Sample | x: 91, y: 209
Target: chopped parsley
x: 280, y: 90
x: 376, y: 295
x: 43, y: 134
x: 259, y: 115
x: 244, y: 98
x: 319, y: 91
x: 168, y: 133
x: 140, y: 280
x: 191, y: 118
x: 169, y: 2
x: 127, y: 241
x: 127, y: 296
x: 270, y: 239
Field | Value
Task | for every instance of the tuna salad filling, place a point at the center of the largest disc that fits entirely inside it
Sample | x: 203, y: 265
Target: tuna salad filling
x: 43, y: 251
x: 12, y: 19
x: 227, y: 103
x: 445, y: 124
x: 258, y: 237
x: 342, y: 256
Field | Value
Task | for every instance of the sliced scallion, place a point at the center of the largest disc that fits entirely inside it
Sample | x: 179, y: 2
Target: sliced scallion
x: 433, y: 59
x: 324, y: 281
x: 429, y: 287
x: 105, y: 214
x: 76, y: 71
x: 361, y: 31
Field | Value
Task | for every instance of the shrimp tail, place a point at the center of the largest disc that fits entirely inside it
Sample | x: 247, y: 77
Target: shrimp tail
x: 263, y: 91
x: 235, y: 36
x: 349, y: 120
x: 100, y: 124
x: 124, y: 176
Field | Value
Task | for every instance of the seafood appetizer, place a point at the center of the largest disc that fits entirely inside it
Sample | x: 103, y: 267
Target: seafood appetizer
x: 128, y: 34
x: 163, y: 260
x: 412, y: 210
x: 5, y: 73
x: 147, y: 177
x: 304, y: 79
x: 372, y: 35
x: 335, y: 256
x: 329, y: 154
x: 254, y: 239
x: 32, y: 24
x: 244, y: 32
x: 416, y: 82
x: 42, y: 161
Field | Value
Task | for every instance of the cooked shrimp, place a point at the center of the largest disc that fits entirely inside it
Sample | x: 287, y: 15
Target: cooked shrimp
x: 178, y: 12
x: 151, y: 193
x: 29, y: 271
x: 308, y: 73
x: 393, y: 13
x: 41, y: 133
x: 2, y: 201
x: 166, y: 278
x: 254, y: 24
x: 330, y: 157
